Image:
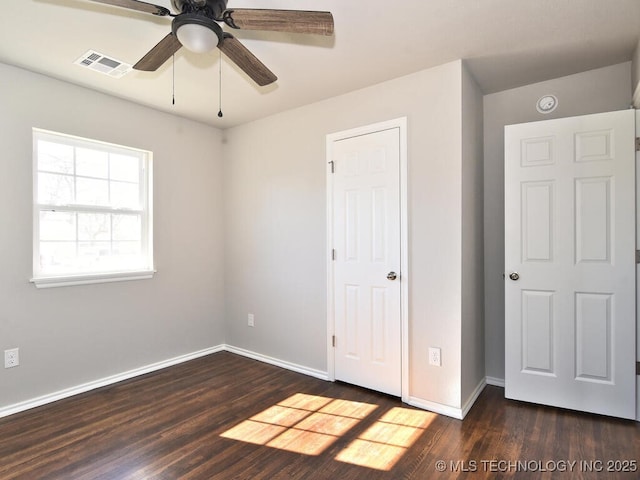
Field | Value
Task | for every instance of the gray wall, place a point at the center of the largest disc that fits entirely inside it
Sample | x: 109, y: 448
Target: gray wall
x: 601, y: 90
x: 275, y: 243
x: 472, y: 237
x: 71, y: 335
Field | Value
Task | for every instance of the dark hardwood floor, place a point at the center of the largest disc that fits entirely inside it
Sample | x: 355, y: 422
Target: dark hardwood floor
x: 228, y: 417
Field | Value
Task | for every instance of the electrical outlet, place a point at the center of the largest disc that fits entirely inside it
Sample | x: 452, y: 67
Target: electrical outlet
x: 250, y: 320
x: 434, y: 357
x: 11, y: 358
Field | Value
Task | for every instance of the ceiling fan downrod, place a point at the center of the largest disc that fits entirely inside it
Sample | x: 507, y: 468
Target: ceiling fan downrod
x: 210, y: 8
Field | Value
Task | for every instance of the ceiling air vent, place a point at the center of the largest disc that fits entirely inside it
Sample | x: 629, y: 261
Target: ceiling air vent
x: 103, y: 64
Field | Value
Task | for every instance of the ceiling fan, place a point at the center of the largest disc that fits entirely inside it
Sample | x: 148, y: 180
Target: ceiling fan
x: 197, y: 28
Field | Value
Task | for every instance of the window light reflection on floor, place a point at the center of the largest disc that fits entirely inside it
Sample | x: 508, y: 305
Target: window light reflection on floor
x: 309, y: 424
x: 306, y: 424
x: 386, y: 441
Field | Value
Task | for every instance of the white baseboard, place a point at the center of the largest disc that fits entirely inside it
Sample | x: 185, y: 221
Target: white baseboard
x: 278, y: 363
x: 435, y: 407
x: 458, y: 413
x: 496, y: 382
x: 473, y: 397
x: 449, y: 411
x: 85, y: 387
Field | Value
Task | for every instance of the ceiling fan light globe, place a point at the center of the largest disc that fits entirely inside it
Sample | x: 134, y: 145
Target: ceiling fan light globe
x: 197, y: 38
x: 197, y: 31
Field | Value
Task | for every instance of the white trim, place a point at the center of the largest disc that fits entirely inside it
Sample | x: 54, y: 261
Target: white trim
x: 636, y: 103
x: 453, y: 412
x: 473, y: 397
x: 137, y: 269
x: 85, y: 387
x: 496, y: 382
x: 401, y: 124
x: 637, y: 399
x: 436, y: 407
x: 404, y: 254
x: 67, y: 281
x: 278, y: 363
x: 331, y: 328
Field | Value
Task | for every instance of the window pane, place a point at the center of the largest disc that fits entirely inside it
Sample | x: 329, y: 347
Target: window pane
x: 92, y: 163
x: 55, y: 189
x: 127, y: 227
x: 92, y: 192
x: 57, y: 226
x: 94, y: 256
x: 94, y: 226
x: 126, y: 256
x: 124, y: 167
x: 57, y: 256
x: 126, y: 248
x: 125, y: 195
x: 55, y: 157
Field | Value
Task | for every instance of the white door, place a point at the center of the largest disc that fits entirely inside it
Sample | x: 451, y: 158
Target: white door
x: 366, y: 265
x: 570, y: 263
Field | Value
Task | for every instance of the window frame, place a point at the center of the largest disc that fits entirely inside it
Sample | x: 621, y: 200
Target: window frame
x: 43, y: 279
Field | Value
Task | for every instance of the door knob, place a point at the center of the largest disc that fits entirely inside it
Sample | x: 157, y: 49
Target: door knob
x: 392, y: 276
x: 514, y: 276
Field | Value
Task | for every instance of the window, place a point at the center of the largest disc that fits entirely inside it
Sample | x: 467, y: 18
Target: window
x: 92, y: 211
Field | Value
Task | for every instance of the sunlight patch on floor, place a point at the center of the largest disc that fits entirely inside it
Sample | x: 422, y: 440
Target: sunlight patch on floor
x: 302, y: 423
x: 386, y: 441
x: 309, y: 424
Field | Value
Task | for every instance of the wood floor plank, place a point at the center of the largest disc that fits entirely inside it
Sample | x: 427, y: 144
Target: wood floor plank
x: 227, y: 417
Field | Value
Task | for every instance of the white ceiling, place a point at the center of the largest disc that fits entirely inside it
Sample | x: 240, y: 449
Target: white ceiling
x: 506, y: 43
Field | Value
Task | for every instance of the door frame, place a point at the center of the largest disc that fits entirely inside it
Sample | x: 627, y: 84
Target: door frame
x: 401, y: 125
x: 637, y: 266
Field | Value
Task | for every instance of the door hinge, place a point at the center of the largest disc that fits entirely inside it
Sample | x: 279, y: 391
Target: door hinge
x: 637, y: 144
x: 333, y: 254
x: 637, y: 257
x: 637, y: 368
x: 333, y: 340
x: 333, y: 166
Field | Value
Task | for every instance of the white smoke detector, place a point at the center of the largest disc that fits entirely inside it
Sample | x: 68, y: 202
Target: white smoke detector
x: 547, y: 103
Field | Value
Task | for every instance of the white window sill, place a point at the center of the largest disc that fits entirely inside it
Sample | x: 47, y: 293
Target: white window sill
x: 85, y: 279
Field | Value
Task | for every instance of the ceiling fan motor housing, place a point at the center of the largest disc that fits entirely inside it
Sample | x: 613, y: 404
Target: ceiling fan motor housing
x: 210, y: 8
x: 196, y: 19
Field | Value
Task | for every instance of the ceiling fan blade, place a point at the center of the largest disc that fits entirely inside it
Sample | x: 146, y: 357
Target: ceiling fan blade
x: 159, y: 54
x: 294, y: 21
x: 137, y: 5
x: 246, y: 60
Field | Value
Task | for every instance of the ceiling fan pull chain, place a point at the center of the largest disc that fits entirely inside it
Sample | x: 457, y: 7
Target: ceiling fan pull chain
x: 173, y: 80
x: 220, y: 87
